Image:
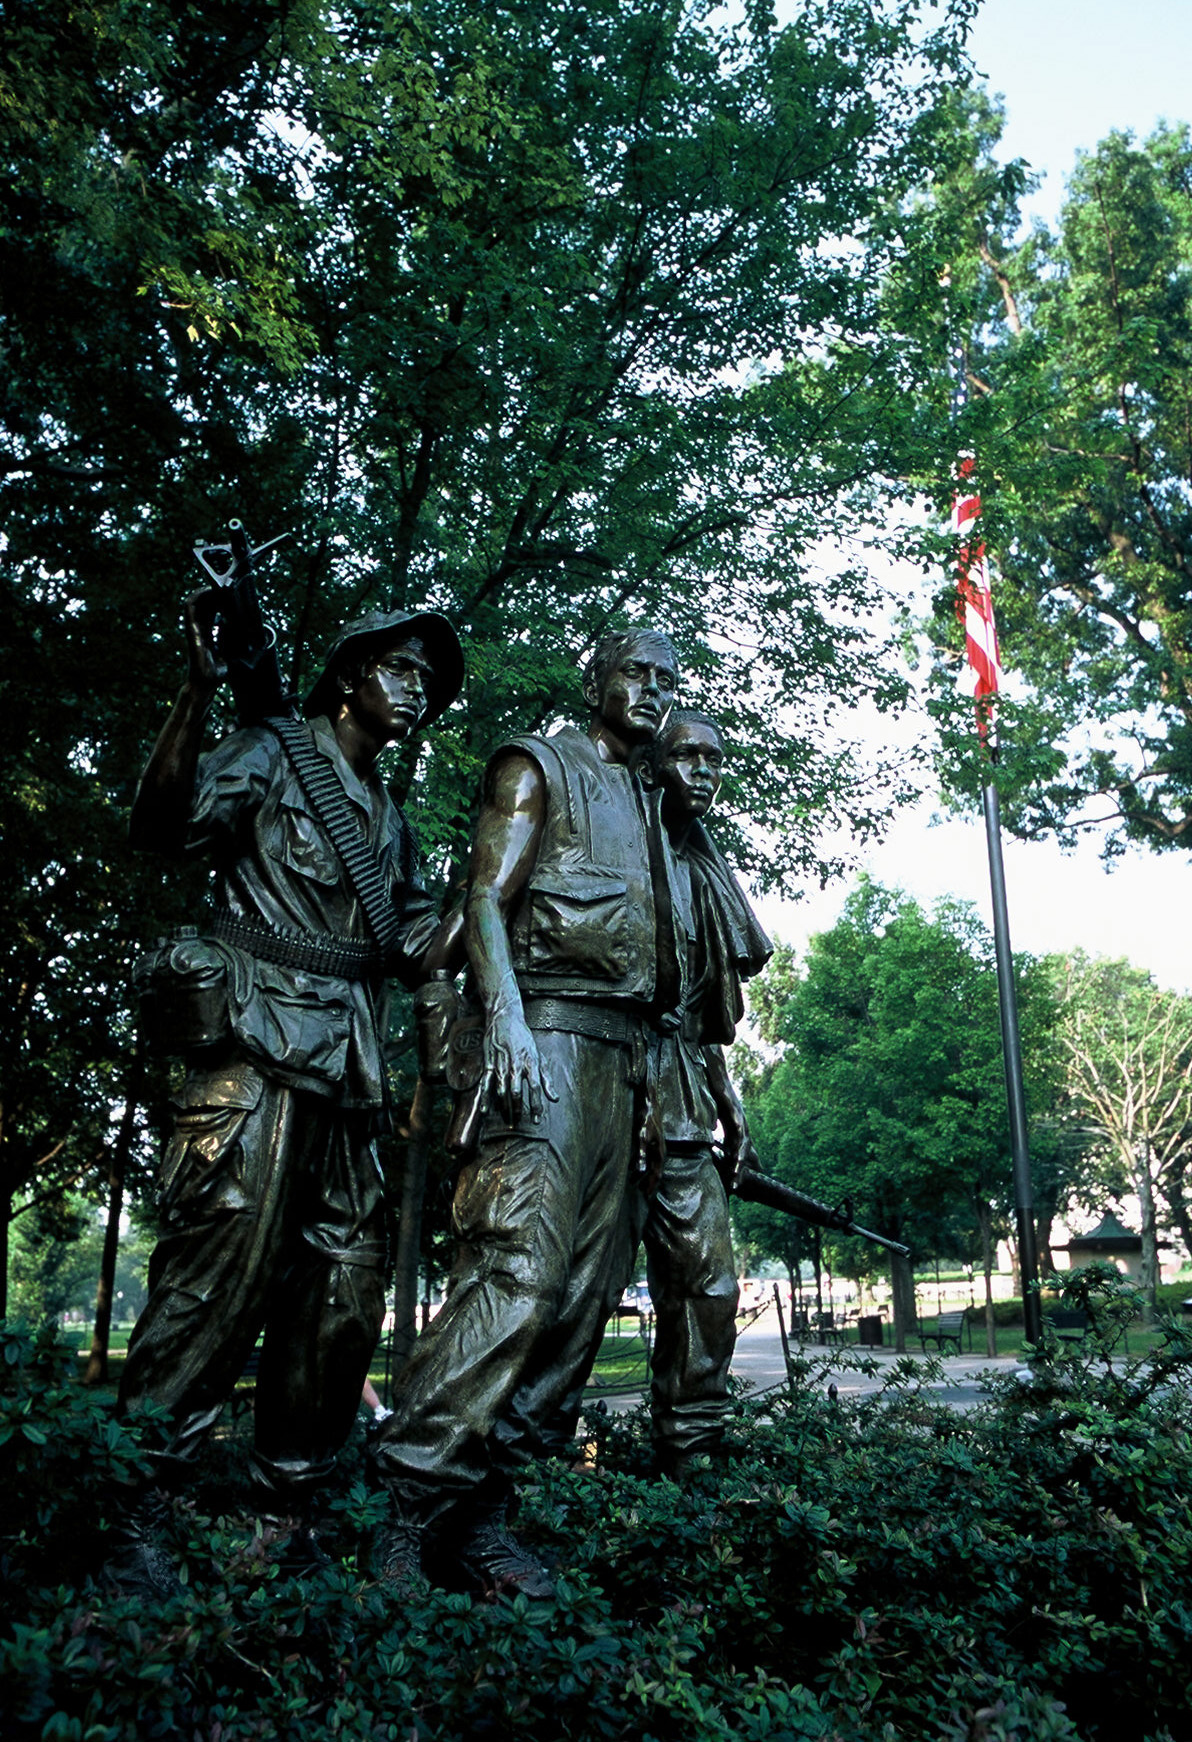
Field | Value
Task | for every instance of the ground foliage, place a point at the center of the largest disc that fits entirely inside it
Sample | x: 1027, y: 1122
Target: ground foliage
x: 861, y: 1571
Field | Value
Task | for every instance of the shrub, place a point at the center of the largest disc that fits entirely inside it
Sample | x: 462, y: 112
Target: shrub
x: 883, y: 1570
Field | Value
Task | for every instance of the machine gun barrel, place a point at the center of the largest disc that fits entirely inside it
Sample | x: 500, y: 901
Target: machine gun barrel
x: 759, y: 1188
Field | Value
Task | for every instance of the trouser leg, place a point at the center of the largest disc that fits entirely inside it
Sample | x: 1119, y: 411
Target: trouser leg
x: 546, y: 1408
x: 693, y: 1286
x: 519, y: 1212
x: 326, y: 1309
x: 222, y: 1209
x: 514, y: 1209
x: 542, y: 1414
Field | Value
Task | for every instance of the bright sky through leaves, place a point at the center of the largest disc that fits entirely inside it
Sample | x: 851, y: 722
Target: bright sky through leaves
x: 1070, y: 71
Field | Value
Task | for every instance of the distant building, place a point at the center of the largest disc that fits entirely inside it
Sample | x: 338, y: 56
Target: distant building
x: 1111, y: 1242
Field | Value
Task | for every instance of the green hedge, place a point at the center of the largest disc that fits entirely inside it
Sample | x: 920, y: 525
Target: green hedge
x: 877, y: 1571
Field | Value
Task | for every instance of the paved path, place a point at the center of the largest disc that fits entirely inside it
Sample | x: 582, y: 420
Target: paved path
x: 758, y: 1359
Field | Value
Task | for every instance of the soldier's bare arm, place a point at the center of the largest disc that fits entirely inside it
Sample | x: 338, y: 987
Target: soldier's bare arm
x: 506, y: 847
x: 738, y: 1145
x: 165, y: 795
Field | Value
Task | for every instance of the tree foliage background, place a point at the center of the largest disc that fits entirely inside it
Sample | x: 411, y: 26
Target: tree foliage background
x: 888, y: 1083
x: 1075, y: 347
x: 1127, y: 1045
x: 547, y: 316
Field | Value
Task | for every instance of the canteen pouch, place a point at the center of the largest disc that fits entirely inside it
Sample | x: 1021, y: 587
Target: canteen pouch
x: 436, y: 1012
x: 182, y: 993
x: 465, y: 1079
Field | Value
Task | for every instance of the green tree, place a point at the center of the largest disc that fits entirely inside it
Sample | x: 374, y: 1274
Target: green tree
x: 890, y: 1084
x: 1129, y: 1052
x: 478, y: 304
x: 1076, y: 345
x: 56, y: 1259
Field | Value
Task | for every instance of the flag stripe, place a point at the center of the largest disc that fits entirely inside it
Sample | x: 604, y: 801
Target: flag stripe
x: 974, y: 602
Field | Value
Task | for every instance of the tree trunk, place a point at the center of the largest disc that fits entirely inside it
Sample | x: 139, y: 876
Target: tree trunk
x: 1149, y: 1277
x: 902, y: 1282
x: 985, y: 1225
x: 5, y: 1221
x: 1181, y: 1215
x: 1044, y: 1218
x: 97, y: 1362
x: 409, y: 1224
x: 1015, y: 1266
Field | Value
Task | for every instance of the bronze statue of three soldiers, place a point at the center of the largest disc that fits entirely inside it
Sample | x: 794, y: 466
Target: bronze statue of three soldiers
x: 605, y: 939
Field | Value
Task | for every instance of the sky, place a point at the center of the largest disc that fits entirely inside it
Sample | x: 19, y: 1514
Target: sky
x: 1070, y: 72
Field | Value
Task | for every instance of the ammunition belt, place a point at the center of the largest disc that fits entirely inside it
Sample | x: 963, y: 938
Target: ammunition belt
x: 322, y: 787
x: 344, y: 958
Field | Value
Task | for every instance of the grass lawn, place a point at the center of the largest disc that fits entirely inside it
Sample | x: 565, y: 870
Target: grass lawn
x: 621, y: 1361
x: 1139, y: 1340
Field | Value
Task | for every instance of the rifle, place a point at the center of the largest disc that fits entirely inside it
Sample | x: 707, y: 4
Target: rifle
x: 244, y: 641
x: 759, y: 1188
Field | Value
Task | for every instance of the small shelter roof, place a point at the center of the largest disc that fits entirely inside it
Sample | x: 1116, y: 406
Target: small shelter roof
x: 1108, y: 1236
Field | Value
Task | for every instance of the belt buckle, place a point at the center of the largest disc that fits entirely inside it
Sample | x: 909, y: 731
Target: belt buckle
x: 637, y: 1055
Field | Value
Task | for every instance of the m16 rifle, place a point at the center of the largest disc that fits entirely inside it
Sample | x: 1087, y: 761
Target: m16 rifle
x: 244, y: 641
x: 759, y: 1188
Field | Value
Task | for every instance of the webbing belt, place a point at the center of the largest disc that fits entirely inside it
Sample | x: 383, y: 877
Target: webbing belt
x: 575, y: 1016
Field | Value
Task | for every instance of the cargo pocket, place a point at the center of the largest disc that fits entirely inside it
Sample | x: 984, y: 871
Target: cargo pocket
x: 203, y: 1169
x: 305, y: 1030
x: 579, y: 925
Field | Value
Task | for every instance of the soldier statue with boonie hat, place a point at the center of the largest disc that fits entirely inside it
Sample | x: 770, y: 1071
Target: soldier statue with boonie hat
x: 271, y: 1195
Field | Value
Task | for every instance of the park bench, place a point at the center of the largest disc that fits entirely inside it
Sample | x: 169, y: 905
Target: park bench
x: 949, y: 1328
x: 1070, y: 1324
x: 829, y: 1329
x: 1073, y: 1325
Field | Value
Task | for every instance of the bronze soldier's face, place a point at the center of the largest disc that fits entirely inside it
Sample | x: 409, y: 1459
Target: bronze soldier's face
x: 638, y: 694
x: 690, y: 770
x: 390, y: 698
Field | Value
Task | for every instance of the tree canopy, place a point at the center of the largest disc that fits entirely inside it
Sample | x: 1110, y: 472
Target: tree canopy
x: 889, y: 1085
x: 547, y: 316
x: 1128, y: 1050
x: 1075, y: 345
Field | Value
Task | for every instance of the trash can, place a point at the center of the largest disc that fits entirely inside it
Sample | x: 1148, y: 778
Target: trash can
x: 869, y: 1332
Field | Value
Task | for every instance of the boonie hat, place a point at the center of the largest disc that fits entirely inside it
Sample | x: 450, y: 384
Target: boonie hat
x: 380, y: 629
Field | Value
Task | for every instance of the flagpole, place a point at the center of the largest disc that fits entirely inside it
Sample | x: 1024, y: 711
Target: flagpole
x: 975, y: 609
x: 1007, y: 997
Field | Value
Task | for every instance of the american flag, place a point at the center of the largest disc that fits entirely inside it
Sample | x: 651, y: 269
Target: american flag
x: 974, y: 603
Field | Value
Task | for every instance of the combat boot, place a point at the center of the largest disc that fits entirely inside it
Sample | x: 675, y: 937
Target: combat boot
x: 397, y: 1558
x: 141, y: 1566
x: 494, y: 1563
